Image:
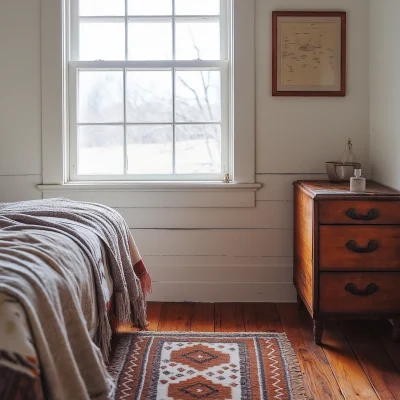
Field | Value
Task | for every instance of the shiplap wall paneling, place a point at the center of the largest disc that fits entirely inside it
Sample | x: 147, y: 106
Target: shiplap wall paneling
x: 218, y: 264
x: 20, y: 109
x: 270, y: 215
x: 215, y: 242
x: 19, y: 188
x: 224, y: 292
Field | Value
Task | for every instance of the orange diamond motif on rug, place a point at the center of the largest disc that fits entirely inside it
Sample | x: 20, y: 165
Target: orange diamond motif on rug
x: 200, y: 357
x: 199, y: 388
x: 211, y: 366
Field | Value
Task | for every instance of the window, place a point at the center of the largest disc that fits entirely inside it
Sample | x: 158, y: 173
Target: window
x: 60, y: 65
x: 149, y: 85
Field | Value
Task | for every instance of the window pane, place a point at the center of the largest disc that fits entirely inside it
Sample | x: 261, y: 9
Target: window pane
x: 100, y: 150
x: 149, y: 7
x: 198, y: 39
x: 198, y: 96
x: 149, y: 149
x: 102, y: 41
x: 197, y: 7
x: 149, y: 96
x: 198, y: 149
x: 100, y: 96
x: 150, y: 40
x: 101, y: 7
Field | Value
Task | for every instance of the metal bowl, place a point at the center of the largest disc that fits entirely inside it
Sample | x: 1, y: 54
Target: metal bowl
x: 340, y: 172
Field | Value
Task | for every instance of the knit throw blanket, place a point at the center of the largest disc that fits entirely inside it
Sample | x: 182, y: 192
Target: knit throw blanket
x: 64, y: 224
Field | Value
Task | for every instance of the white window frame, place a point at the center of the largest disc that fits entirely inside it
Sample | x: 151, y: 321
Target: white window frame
x: 223, y: 65
x: 240, y: 192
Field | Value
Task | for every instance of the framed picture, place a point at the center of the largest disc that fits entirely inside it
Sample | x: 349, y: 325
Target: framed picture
x: 308, y: 53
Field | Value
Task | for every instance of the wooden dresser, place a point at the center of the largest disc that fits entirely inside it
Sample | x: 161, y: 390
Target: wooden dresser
x: 347, y: 252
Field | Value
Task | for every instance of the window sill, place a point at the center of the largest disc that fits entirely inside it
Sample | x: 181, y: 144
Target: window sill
x: 157, y: 194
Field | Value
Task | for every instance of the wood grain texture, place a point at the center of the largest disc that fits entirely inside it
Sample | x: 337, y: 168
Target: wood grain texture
x: 373, y: 358
x: 229, y: 317
x: 355, y: 251
x: 335, y: 212
x: 340, y: 191
x: 334, y: 298
x: 366, y: 368
x: 261, y: 317
x: 337, y: 254
x: 318, y: 330
x: 348, y: 372
x: 202, y: 317
x: 153, y: 318
x: 319, y: 380
x: 175, y: 317
x: 303, y: 246
x: 153, y: 315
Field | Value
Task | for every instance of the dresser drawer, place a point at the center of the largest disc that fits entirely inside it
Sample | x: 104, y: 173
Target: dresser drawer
x: 359, y: 248
x: 360, y: 292
x: 359, y: 212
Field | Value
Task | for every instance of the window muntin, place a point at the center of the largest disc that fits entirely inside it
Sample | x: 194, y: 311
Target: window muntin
x: 149, y: 90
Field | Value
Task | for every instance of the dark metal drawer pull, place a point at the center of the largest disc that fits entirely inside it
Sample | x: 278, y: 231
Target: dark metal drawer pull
x: 368, y: 291
x: 370, y: 216
x: 373, y: 245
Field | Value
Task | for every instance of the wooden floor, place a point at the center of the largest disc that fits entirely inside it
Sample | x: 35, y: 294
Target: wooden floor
x: 356, y: 361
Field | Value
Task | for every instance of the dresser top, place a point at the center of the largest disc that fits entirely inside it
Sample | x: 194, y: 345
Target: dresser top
x: 341, y: 190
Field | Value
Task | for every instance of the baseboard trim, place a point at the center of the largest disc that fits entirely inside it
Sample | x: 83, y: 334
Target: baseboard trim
x: 279, y: 292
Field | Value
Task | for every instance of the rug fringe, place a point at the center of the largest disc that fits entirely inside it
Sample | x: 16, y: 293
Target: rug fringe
x: 296, y: 376
x: 293, y: 374
x: 119, y: 357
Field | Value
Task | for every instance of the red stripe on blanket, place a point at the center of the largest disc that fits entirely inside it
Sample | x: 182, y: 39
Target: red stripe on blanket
x: 145, y: 281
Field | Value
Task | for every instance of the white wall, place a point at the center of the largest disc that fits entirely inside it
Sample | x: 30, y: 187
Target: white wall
x: 297, y: 135
x: 385, y: 92
x: 20, y: 111
x: 208, y: 254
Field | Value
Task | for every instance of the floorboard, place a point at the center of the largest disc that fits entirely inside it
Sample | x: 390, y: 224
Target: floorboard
x: 348, y: 372
x: 319, y: 381
x: 383, y: 330
x: 229, y: 317
x: 261, y: 317
x: 175, y: 317
x: 374, y: 359
x: 357, y: 361
x: 153, y: 316
x: 202, y: 317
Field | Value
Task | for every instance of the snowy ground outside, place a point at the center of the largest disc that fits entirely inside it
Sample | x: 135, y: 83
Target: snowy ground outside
x: 192, y: 156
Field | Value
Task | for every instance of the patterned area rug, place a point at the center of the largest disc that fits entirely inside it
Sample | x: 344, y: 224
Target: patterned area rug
x: 212, y: 366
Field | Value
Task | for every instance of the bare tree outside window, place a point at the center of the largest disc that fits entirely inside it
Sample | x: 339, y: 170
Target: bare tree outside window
x: 168, y: 120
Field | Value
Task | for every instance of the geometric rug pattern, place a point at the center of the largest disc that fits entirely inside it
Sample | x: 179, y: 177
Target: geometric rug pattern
x: 210, y: 366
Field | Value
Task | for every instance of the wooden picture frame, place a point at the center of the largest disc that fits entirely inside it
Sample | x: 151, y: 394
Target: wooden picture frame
x: 308, y: 53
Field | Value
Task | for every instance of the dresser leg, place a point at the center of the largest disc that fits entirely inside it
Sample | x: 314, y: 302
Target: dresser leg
x: 396, y: 330
x: 300, y: 303
x: 318, y: 329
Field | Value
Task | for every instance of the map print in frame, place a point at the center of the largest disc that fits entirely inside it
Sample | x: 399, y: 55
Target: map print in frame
x: 308, y: 53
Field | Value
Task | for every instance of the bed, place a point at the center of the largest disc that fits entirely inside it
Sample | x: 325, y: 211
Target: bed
x: 70, y: 272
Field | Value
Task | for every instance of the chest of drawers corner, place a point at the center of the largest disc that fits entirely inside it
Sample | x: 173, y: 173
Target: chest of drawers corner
x: 347, y: 252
